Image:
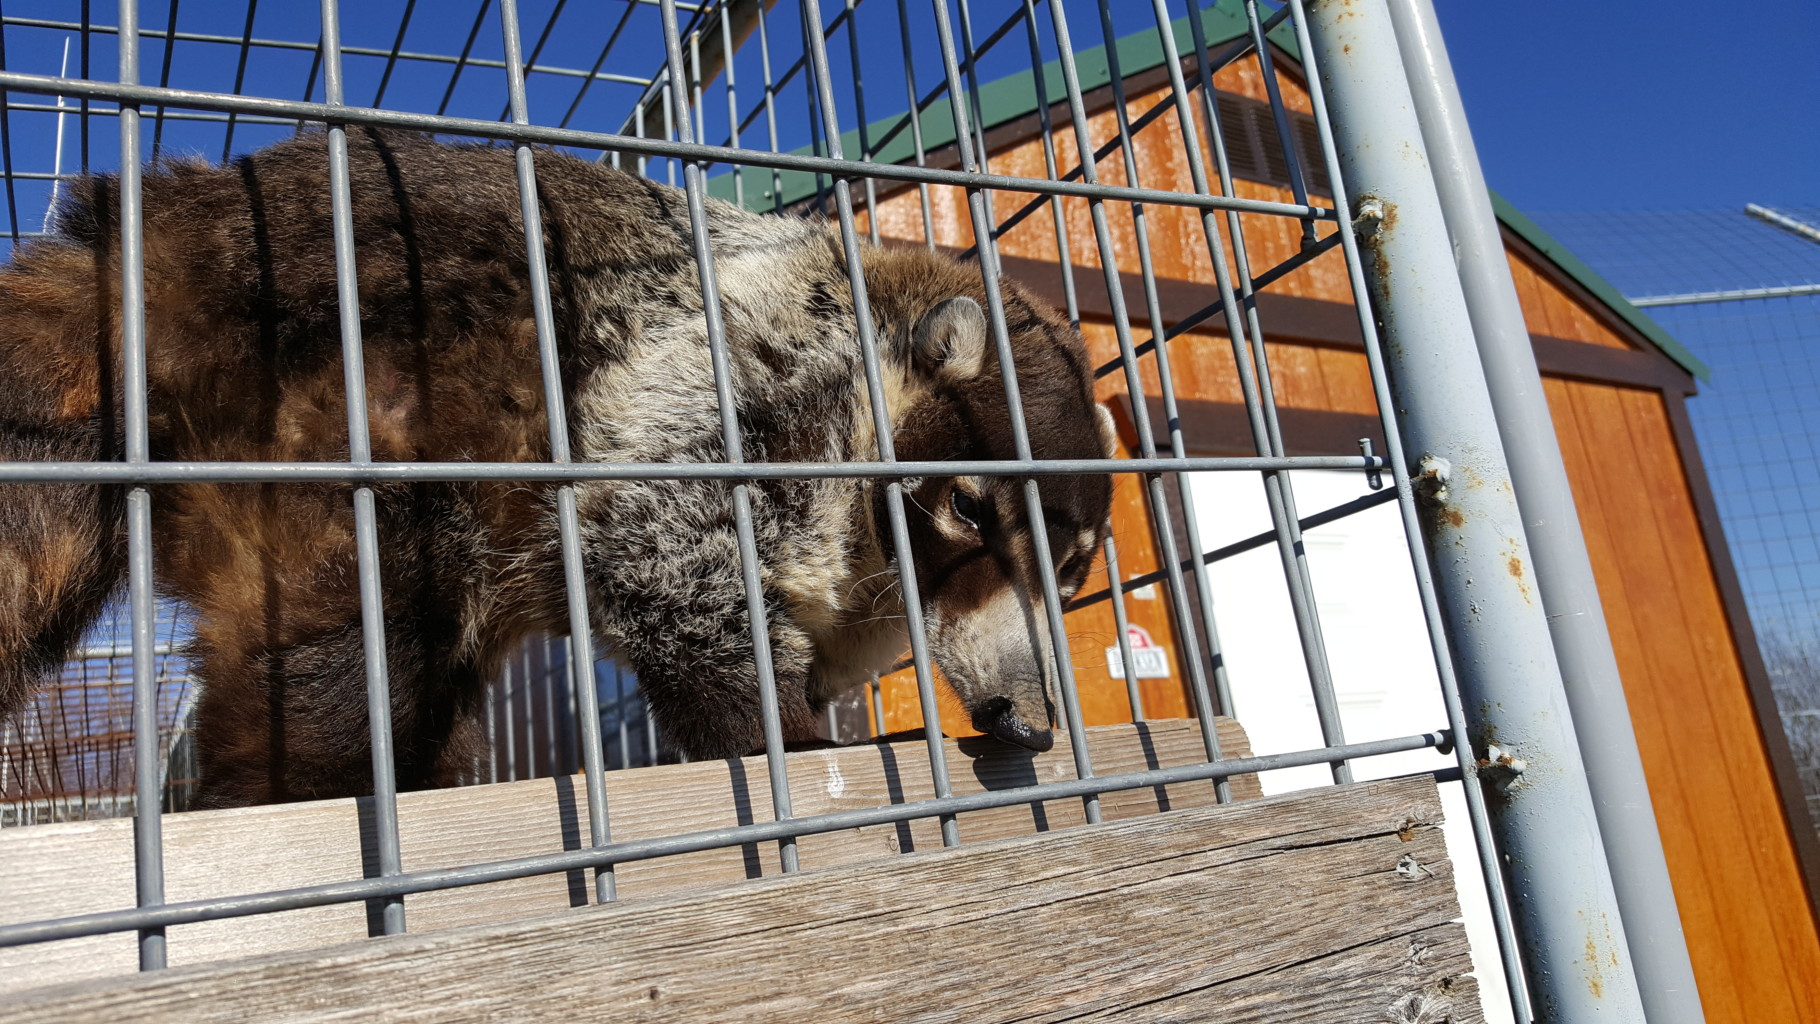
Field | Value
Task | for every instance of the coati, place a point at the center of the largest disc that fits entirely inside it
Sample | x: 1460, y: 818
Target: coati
x: 245, y: 364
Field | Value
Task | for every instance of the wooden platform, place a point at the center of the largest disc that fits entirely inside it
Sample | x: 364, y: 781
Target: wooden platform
x: 1332, y: 905
x: 82, y: 867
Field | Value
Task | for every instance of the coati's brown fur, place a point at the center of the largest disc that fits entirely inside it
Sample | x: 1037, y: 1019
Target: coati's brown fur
x: 244, y: 364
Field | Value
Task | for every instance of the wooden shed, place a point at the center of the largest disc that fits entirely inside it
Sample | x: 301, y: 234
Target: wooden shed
x: 1740, y: 846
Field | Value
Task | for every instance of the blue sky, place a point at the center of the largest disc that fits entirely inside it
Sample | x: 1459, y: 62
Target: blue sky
x: 1638, y: 104
x: 1641, y: 104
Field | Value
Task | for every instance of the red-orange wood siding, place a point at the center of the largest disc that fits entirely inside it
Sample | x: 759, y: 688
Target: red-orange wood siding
x: 1750, y: 928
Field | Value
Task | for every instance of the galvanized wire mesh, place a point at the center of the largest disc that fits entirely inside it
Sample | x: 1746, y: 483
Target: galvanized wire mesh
x: 792, y: 124
x: 1712, y: 278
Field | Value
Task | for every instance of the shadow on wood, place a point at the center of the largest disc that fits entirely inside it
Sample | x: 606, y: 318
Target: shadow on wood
x: 82, y: 867
x: 1332, y: 905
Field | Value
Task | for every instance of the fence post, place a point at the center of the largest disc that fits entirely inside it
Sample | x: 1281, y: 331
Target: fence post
x: 1564, y: 576
x: 1569, y: 928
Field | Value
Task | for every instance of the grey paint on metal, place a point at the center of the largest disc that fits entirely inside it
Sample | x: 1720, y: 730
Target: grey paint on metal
x: 300, y: 110
x: 1572, y: 934
x: 568, y: 527
x: 329, y: 472
x: 366, y: 529
x: 148, y: 832
x: 1792, y: 225
x: 1727, y: 295
x: 1439, y: 644
x: 980, y: 212
x: 696, y: 194
x: 898, y: 520
x: 1183, y: 614
x: 1563, y: 570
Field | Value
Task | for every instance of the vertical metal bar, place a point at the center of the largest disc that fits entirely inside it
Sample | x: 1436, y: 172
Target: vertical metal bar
x: 549, y: 26
x: 823, y: 91
x: 391, y: 61
x: 1260, y: 405
x: 148, y: 823
x: 818, y: 132
x: 87, y: 24
x: 916, y: 137
x: 1572, y: 934
x: 492, y: 724
x: 1115, y: 585
x: 461, y: 62
x: 865, y: 130
x: 638, y: 129
x: 980, y: 212
x: 619, y: 704
x: 1170, y: 555
x: 6, y: 151
x: 878, y: 706
x: 164, y: 80
x: 581, y: 634
x: 650, y: 729
x: 764, y: 54
x: 1057, y: 216
x: 1563, y: 570
x: 729, y: 425
x: 726, y: 49
x: 246, y: 41
x: 1178, y: 444
x: 1298, y: 187
x: 366, y: 530
x: 1440, y: 644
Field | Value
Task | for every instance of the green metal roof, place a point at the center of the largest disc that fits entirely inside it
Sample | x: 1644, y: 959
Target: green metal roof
x: 1528, y: 230
x: 1001, y: 101
x: 1015, y: 96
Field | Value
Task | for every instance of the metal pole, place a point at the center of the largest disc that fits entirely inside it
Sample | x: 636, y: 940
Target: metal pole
x: 1563, y: 571
x: 1570, y: 931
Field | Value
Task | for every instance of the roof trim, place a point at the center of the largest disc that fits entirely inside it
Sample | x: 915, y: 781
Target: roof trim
x: 1015, y: 96
x: 1000, y: 102
x: 1551, y: 249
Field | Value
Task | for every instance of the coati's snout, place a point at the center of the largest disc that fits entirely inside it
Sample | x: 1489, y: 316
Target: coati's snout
x: 980, y: 561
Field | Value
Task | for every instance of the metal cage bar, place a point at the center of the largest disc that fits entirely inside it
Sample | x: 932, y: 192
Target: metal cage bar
x: 1549, y: 834
x: 683, y: 84
x: 366, y: 528
x: 1564, y: 576
x: 581, y: 634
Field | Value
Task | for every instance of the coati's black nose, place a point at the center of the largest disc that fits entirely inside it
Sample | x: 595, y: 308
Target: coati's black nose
x: 997, y: 719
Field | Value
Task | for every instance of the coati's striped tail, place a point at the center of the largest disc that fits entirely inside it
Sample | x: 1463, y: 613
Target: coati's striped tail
x: 62, y: 549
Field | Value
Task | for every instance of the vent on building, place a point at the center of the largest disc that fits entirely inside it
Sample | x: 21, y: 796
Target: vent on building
x: 1253, y: 148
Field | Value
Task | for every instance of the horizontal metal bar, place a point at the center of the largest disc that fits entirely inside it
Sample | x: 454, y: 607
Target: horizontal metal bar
x: 343, y: 472
x: 169, y: 115
x: 1731, y: 295
x: 1251, y: 543
x: 1800, y: 228
x: 99, y: 653
x: 51, y: 85
x: 294, y: 44
x: 1208, y: 312
x: 645, y: 849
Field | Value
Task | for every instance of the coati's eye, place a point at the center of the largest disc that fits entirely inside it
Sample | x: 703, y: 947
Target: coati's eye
x: 966, y: 507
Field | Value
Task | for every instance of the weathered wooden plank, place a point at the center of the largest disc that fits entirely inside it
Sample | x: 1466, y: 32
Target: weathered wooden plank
x: 80, y: 867
x: 1327, y: 905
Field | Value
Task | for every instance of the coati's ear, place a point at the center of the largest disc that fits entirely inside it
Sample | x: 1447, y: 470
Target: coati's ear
x: 951, y: 339
x: 1109, y: 431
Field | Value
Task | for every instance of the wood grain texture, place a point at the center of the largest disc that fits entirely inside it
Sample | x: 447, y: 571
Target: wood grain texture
x: 1738, y: 882
x: 81, y: 867
x: 1326, y: 905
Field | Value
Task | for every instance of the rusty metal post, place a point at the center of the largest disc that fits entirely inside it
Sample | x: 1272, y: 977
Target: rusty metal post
x: 1570, y: 594
x: 1569, y: 929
